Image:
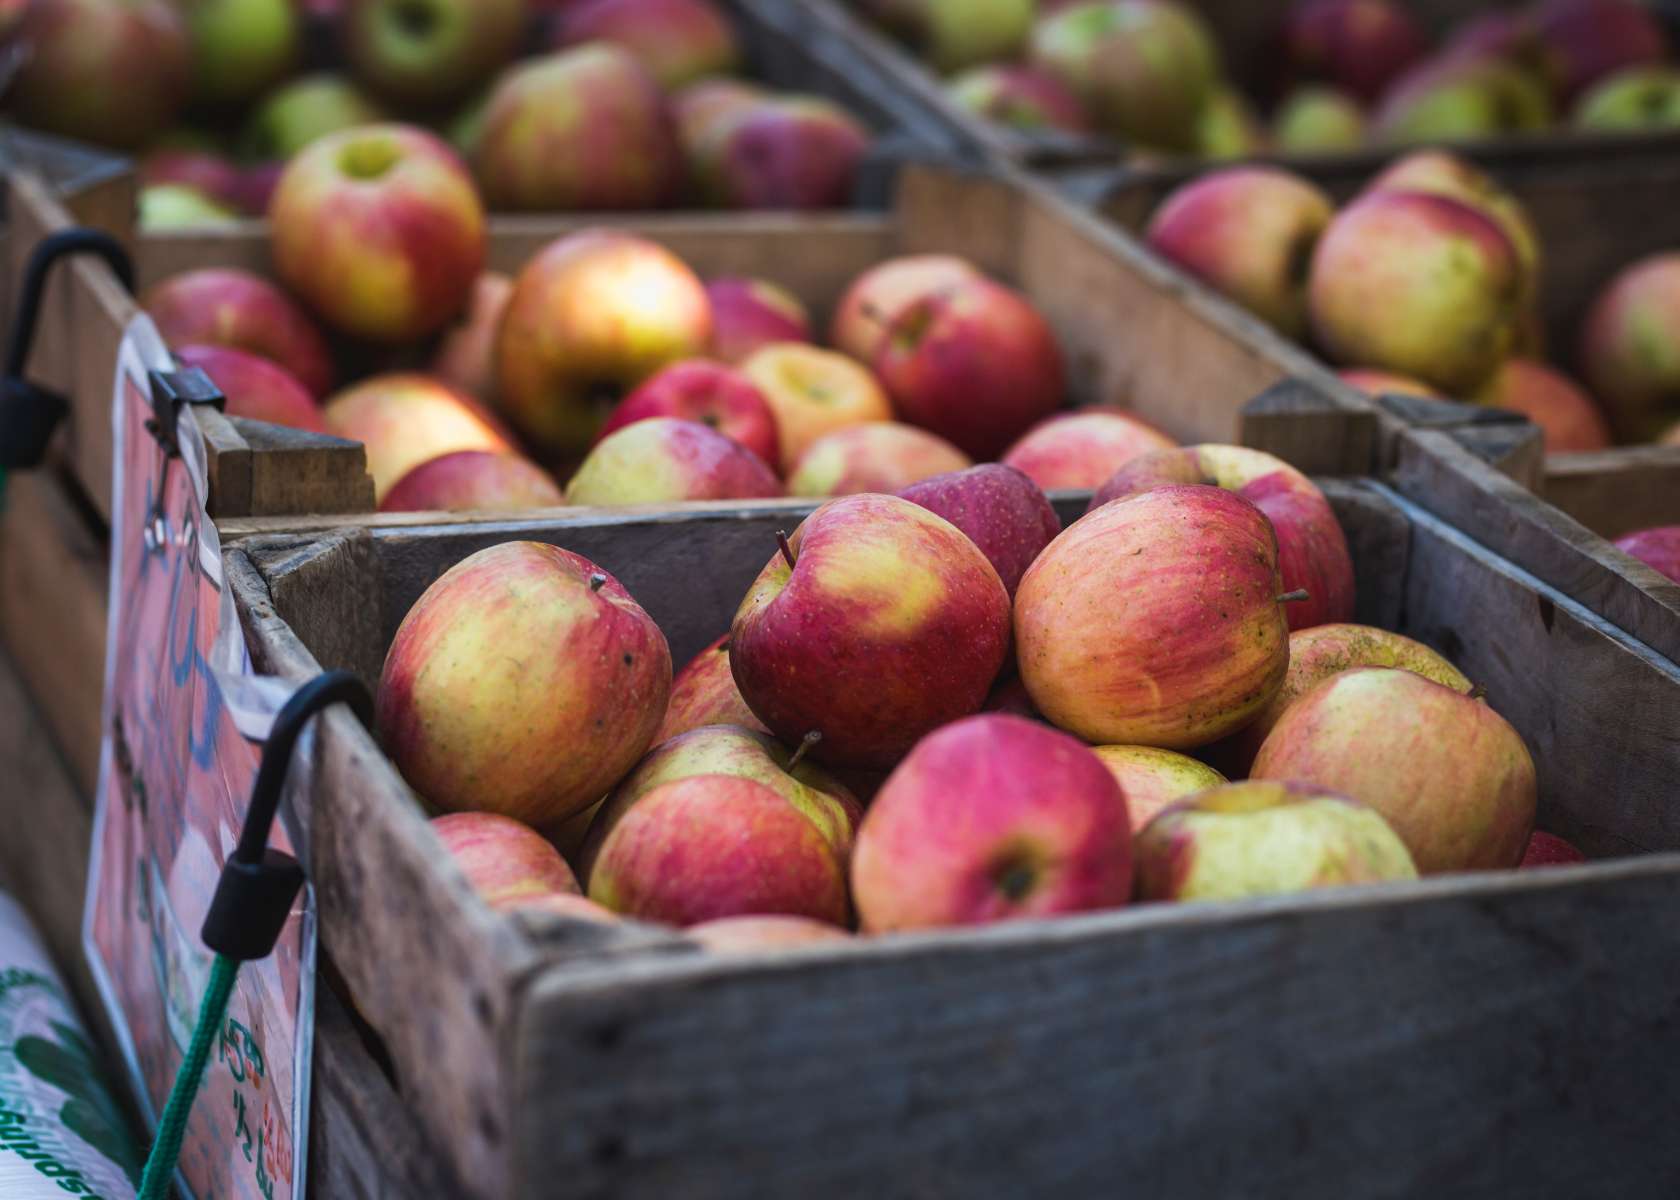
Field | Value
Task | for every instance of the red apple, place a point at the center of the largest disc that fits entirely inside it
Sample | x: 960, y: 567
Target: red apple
x: 992, y: 818
x: 429, y: 53
x: 882, y: 456
x: 1083, y: 448
x: 570, y: 906
x: 874, y: 300
x: 1630, y: 347
x: 473, y: 479
x: 678, y: 41
x: 1010, y: 696
x: 663, y: 460
x: 225, y: 307
x: 257, y: 184
x: 256, y: 388
x: 696, y: 108
x: 466, y: 355
x: 1018, y: 97
x: 898, y: 615
x: 749, y: 314
x: 786, y: 152
x: 707, y: 392
x: 813, y: 392
x: 406, y: 419
x: 526, y: 681
x: 1582, y: 41
x: 205, y: 171
x: 758, y: 934
x: 1569, y: 419
x: 704, y: 693
x: 1002, y: 511
x: 1657, y: 548
x: 1381, y: 383
x: 1549, y: 850
x: 1153, y: 778
x: 1361, y: 46
x: 507, y: 863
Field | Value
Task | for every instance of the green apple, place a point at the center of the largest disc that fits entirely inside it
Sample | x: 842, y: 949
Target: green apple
x: 240, y: 47
x: 294, y: 115
x: 1318, y: 119
x: 1638, y: 98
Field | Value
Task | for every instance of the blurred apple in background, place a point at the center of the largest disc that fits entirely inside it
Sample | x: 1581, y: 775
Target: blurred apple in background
x: 1360, y: 46
x: 1447, y: 100
x: 784, y: 152
x: 1583, y: 41
x: 1018, y: 97
x: 257, y: 388
x: 704, y: 693
x: 1229, y: 127
x: 302, y: 110
x: 707, y: 392
x: 473, y: 479
x: 882, y: 456
x: 695, y: 108
x: 1630, y: 348
x: 176, y: 206
x: 256, y: 187
x: 507, y: 862
x: 466, y: 354
x: 813, y: 392
x: 227, y: 307
x: 1657, y: 548
x: 1002, y: 511
x: 1636, y: 98
x: 1083, y: 448
x: 430, y: 53
x: 405, y: 419
x: 953, y: 34
x: 678, y: 41
x: 241, y: 48
x: 1385, y: 383
x: 1569, y: 419
x: 874, y: 300
x: 592, y: 316
x: 1315, y: 120
x: 760, y: 934
x: 1549, y: 850
x: 1153, y: 778
x: 663, y: 460
x: 749, y: 314
x: 993, y: 818
x: 206, y: 171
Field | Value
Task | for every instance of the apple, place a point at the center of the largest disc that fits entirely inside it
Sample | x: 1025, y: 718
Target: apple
x: 954, y: 34
x: 405, y: 419
x: 255, y: 387
x: 1549, y: 850
x: 1010, y: 696
x: 664, y: 460
x: 1142, y: 68
x: 878, y: 623
x: 1315, y: 655
x: 1360, y: 46
x: 1156, y: 620
x: 473, y: 479
x: 430, y: 53
x: 1583, y: 41
x: 227, y: 307
x: 176, y: 206
x: 1657, y: 548
x: 380, y: 230
x: 813, y: 392
x: 1503, y: 33
x: 1248, y: 233
x: 973, y: 362
x: 1314, y: 120
x: 712, y: 394
x: 785, y: 152
x: 1630, y: 347
x: 466, y: 354
x: 749, y: 314
x: 992, y: 818
x: 1083, y: 448
x: 1452, y: 99
x: 525, y: 681
x: 704, y: 693
x: 678, y: 41
x: 585, y: 129
x: 1312, y: 550
x: 241, y: 48
x: 757, y: 934
x: 882, y: 456
x: 1000, y: 508
x: 591, y: 317
x: 1416, y: 283
x: 206, y: 171
x: 508, y: 863
x: 571, y: 906
x: 1264, y: 839
x: 1635, y: 98
x: 1018, y: 97
x: 875, y: 298
x: 1446, y: 771
x: 1569, y: 419
x: 1153, y: 778
x: 697, y: 107
x: 110, y: 73
x: 1386, y: 383
x: 297, y: 113
x: 256, y: 187
x: 1228, y: 126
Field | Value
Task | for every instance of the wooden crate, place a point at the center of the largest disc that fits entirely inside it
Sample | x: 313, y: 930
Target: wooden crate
x: 1491, y: 1033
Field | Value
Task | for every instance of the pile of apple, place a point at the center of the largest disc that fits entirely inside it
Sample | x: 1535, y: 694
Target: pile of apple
x: 626, y: 104
x: 939, y: 708
x: 1348, y: 71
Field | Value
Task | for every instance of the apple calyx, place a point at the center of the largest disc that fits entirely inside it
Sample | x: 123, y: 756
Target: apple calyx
x: 1295, y: 597
x: 787, y: 551
x: 805, y: 745
x: 597, y: 581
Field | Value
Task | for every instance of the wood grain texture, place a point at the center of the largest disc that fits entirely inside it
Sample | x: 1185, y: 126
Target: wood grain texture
x: 1613, y: 492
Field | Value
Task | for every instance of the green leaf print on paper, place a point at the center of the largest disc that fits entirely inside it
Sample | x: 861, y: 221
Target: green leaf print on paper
x: 68, y: 1065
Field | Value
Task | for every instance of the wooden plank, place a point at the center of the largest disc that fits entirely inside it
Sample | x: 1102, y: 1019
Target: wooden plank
x: 1613, y: 492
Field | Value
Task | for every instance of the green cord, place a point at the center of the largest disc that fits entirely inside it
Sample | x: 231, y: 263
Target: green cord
x: 166, y: 1150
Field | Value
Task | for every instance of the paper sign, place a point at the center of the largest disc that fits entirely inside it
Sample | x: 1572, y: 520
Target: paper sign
x: 184, y: 717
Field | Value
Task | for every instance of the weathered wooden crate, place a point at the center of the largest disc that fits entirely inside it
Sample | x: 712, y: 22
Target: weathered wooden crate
x: 1484, y: 1033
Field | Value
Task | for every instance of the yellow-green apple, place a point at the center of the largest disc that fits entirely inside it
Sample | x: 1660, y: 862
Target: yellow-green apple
x: 113, y: 72
x: 297, y: 113
x: 665, y: 460
x: 878, y: 623
x: 1582, y: 41
x: 1360, y: 46
x: 704, y: 693
x: 1630, y: 347
x: 1315, y: 655
x: 406, y: 419
x: 507, y: 862
x: 223, y: 306
x: 1263, y: 838
x: 1569, y: 419
x: 1228, y: 126
x: 1019, y: 97
x: 992, y: 818
x: 1635, y: 98
x: 525, y: 681
x: 1153, y: 778
x: 1248, y: 233
x: 1449, y: 773
x: 592, y: 316
x: 784, y: 152
x: 585, y: 129
x: 748, y: 314
x: 1156, y: 620
x: 1657, y: 548
x: 974, y: 362
x: 813, y: 392
x: 756, y: 934
x: 716, y: 396
x: 1384, y: 383
x: 473, y: 479
x: 1000, y: 508
x: 1315, y: 119
x: 380, y: 230
x: 678, y: 41
x: 1451, y: 99
x: 466, y: 354
x: 177, y: 206
x: 882, y: 456
x: 429, y: 53
x: 206, y: 171
x: 953, y: 34
x: 1312, y: 550
x: 1142, y: 68
x: 874, y: 299
x: 707, y: 846
x: 241, y: 48
x: 257, y: 388
x: 1549, y: 850
x: 1419, y: 284
x: 1083, y: 448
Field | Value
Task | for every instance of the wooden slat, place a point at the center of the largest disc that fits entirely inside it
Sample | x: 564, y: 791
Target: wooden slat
x: 1613, y: 492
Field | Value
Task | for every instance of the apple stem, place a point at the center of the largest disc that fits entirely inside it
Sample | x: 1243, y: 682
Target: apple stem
x: 805, y: 744
x: 597, y: 581
x: 787, y: 551
x: 1294, y: 597
x: 1478, y: 691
